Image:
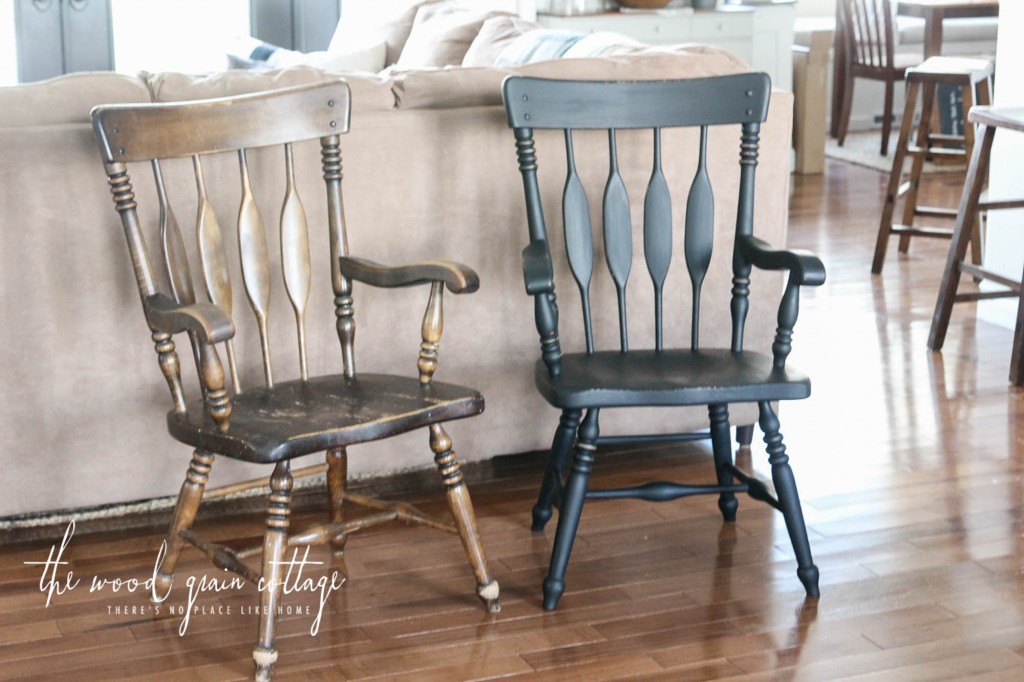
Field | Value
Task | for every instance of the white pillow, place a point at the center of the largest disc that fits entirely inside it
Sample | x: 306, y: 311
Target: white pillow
x: 369, y: 58
x: 250, y: 53
x: 372, y: 20
x: 494, y: 36
x: 440, y: 36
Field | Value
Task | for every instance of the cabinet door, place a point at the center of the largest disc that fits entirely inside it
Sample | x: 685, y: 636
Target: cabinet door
x: 87, y: 34
x: 647, y: 28
x: 37, y: 27
x: 61, y: 36
x: 653, y: 29
x: 731, y: 31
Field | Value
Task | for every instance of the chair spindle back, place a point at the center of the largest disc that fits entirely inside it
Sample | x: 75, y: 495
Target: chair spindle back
x: 868, y: 25
x: 199, y: 130
x: 534, y: 103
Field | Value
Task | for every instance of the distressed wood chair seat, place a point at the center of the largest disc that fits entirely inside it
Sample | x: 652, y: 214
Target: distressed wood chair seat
x: 298, y: 418
x: 283, y: 417
x: 669, y: 377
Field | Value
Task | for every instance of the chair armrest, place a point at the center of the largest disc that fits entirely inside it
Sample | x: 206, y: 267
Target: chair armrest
x: 540, y: 283
x: 458, y: 278
x: 537, y: 271
x: 806, y: 269
x: 204, y: 319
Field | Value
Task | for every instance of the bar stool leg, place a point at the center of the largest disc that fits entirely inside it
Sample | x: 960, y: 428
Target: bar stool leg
x: 968, y: 102
x: 984, y: 98
x: 892, y: 193
x: 923, y: 141
x: 965, y: 220
x: 1017, y: 354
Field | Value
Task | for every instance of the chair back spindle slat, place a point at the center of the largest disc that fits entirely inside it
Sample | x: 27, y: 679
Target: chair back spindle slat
x: 214, y: 261
x: 179, y: 275
x: 618, y: 234
x: 658, y: 236
x: 579, y: 241
x: 252, y: 251
x: 295, y: 261
x: 699, y: 236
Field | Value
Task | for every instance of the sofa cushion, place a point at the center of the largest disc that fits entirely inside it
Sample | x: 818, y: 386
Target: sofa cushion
x: 369, y: 93
x: 494, y: 36
x: 67, y: 99
x: 387, y: 20
x: 440, y: 36
x: 469, y: 87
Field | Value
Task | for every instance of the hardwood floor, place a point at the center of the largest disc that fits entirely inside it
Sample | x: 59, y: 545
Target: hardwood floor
x: 909, y: 465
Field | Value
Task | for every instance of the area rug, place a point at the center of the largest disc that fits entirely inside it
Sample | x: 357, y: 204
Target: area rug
x: 861, y: 148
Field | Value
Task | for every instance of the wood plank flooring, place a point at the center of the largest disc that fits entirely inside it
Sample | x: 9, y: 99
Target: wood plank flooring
x: 909, y: 466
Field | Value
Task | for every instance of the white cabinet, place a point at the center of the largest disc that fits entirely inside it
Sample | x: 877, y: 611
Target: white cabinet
x: 760, y: 34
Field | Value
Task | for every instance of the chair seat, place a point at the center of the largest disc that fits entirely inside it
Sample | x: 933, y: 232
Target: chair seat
x: 301, y: 417
x: 999, y: 117
x: 901, y: 61
x: 674, y: 377
x: 951, y: 70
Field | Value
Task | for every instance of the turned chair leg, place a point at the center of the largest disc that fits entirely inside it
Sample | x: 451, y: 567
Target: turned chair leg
x: 275, y: 541
x: 572, y: 507
x: 189, y: 497
x: 551, y: 486
x: 337, y: 476
x: 462, y: 513
x: 789, y: 499
x: 721, y: 446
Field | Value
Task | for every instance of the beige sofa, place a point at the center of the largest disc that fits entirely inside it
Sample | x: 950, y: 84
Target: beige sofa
x: 430, y: 171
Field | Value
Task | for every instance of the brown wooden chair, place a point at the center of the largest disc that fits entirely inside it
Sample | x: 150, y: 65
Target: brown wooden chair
x: 864, y: 49
x: 283, y: 418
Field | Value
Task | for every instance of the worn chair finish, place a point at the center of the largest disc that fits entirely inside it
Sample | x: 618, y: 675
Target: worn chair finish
x: 582, y: 384
x: 291, y: 413
x: 864, y: 42
x: 972, y: 77
x: 987, y: 121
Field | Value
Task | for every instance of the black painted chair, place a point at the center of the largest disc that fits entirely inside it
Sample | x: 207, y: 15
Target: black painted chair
x: 582, y: 384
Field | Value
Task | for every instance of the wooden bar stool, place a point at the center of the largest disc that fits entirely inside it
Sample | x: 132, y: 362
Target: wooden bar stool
x: 972, y: 76
x: 987, y: 120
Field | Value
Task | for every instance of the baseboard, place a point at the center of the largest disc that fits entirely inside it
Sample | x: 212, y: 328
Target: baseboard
x: 309, y: 493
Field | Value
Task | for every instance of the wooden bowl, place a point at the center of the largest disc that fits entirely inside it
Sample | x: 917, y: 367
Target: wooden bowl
x: 643, y: 4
